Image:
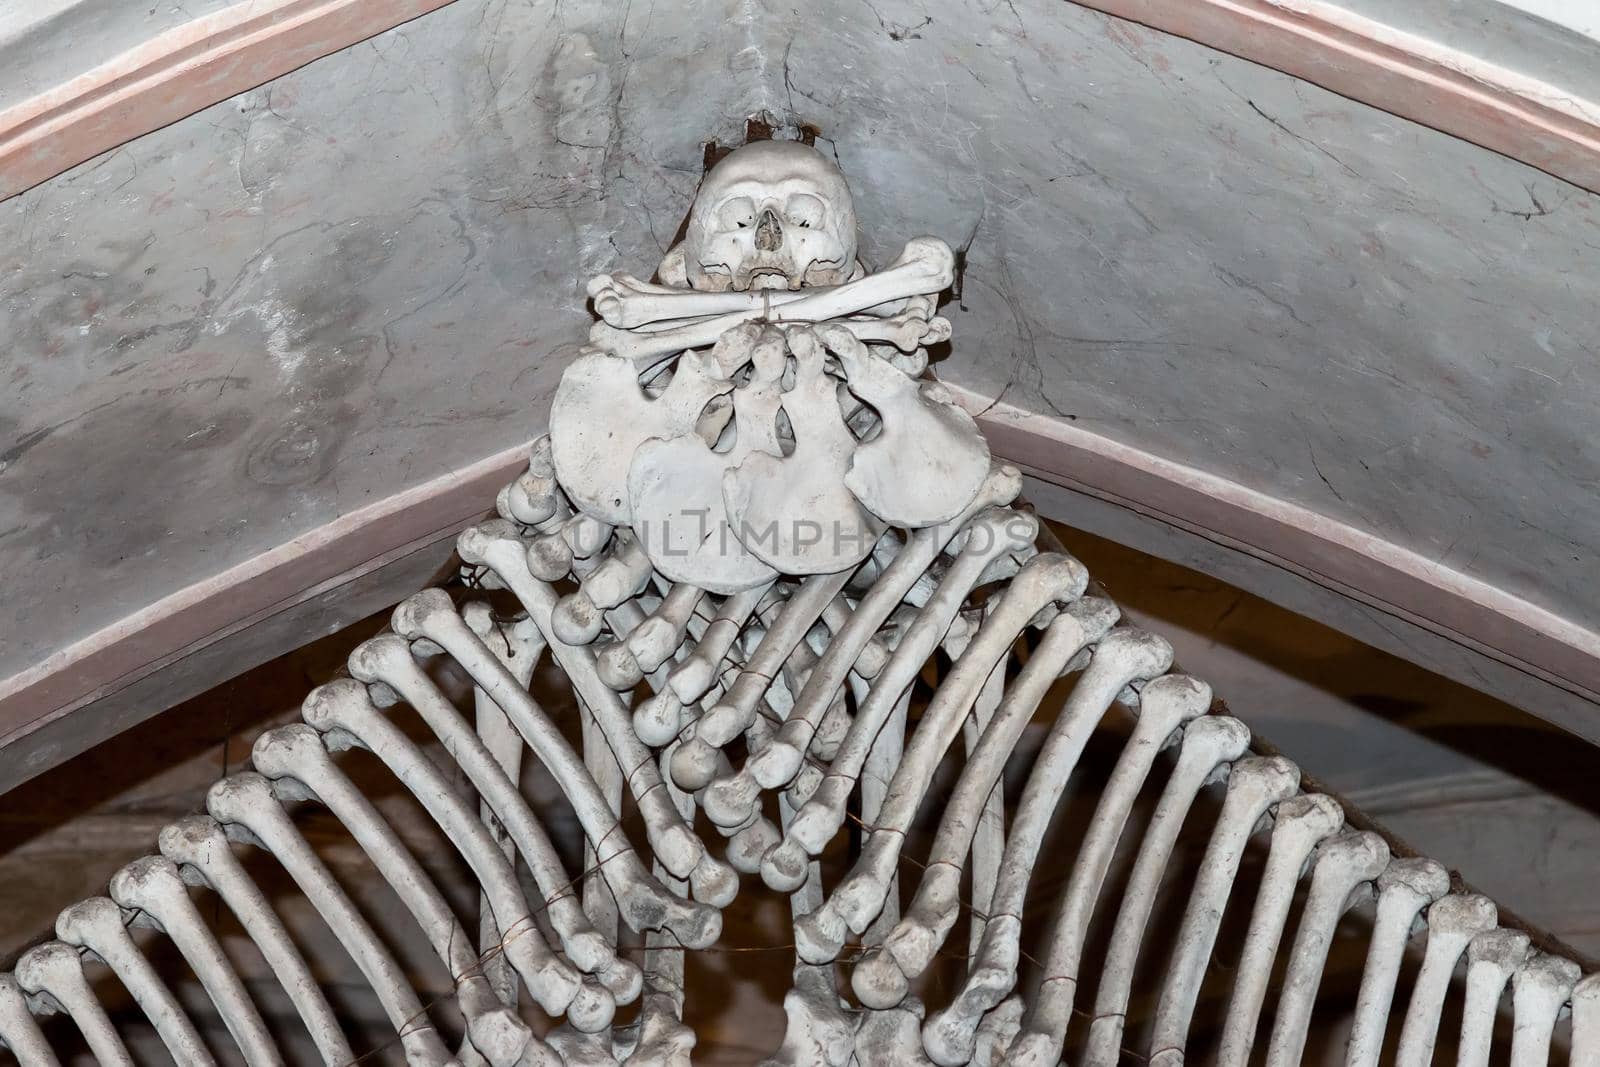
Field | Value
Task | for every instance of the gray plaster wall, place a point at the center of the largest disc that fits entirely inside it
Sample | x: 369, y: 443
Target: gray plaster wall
x: 1230, y: 268
x: 357, y: 278
x: 370, y: 272
x: 45, y: 43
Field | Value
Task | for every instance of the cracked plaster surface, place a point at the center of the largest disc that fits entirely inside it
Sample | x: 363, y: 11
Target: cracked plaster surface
x: 369, y: 273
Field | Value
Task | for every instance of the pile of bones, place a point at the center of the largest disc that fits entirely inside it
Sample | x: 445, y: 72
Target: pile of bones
x: 753, y: 526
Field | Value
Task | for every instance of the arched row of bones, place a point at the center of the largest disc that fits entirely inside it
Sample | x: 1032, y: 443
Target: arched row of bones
x: 743, y: 565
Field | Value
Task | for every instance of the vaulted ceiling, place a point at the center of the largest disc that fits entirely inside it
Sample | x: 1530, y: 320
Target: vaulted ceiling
x: 360, y: 281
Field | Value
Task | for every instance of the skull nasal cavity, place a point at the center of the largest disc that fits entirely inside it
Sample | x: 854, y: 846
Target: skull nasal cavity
x: 769, y: 235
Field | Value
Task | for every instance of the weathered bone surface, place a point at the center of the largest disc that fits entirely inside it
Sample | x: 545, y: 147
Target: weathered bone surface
x: 752, y: 534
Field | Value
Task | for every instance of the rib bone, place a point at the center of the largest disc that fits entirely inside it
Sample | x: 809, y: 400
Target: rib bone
x: 387, y: 658
x: 911, y: 945
x: 1299, y: 825
x: 296, y: 752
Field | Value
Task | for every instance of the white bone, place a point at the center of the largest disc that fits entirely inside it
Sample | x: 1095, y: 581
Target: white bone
x: 247, y: 801
x: 995, y: 1033
x: 1210, y: 744
x: 97, y: 924
x: 667, y: 1039
x: 1120, y: 657
x: 1047, y: 578
x: 1586, y: 1022
x: 989, y: 834
x: 574, y: 1048
x: 297, y: 752
x: 664, y: 1041
x: 534, y: 497
x: 1254, y: 786
x: 203, y: 854
x: 1299, y: 825
x: 1492, y: 958
x: 747, y: 842
x: 729, y: 799
x: 929, y: 461
x: 20, y: 1030
x: 891, y: 1036
x: 771, y: 214
x: 387, y: 658
x: 645, y: 901
x: 152, y: 885
x: 817, y: 1031
x: 577, y: 617
x: 601, y: 762
x: 343, y: 707
x: 654, y: 640
x: 660, y: 719
x: 908, y: 332
x: 518, y: 645
x: 627, y: 303
x: 823, y: 813
x: 1539, y: 990
x: 1345, y: 866
x: 965, y: 824
x: 836, y: 617
x: 794, y: 512
x: 675, y: 484
x: 430, y: 614
x: 1453, y: 922
x: 889, y: 588
x: 693, y: 675
x: 1404, y: 889
x: 56, y: 970
x: 888, y: 749
x: 1165, y: 705
x: 926, y: 266
x: 599, y: 418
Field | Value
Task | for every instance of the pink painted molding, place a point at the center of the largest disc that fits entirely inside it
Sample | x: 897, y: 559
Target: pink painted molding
x: 209, y: 610
x: 178, y: 73
x: 1546, y: 126
x: 1332, y: 554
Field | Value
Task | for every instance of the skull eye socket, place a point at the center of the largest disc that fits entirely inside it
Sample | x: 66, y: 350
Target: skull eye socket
x: 737, y: 214
x: 805, y: 211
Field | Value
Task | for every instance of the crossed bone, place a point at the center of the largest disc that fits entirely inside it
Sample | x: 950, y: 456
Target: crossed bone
x: 648, y: 324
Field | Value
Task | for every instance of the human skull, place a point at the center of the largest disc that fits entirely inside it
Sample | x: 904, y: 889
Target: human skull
x: 771, y: 215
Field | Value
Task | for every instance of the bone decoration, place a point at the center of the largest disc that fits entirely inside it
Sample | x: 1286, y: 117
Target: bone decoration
x: 779, y: 575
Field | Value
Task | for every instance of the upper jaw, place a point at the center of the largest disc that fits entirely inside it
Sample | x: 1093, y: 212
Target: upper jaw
x: 757, y: 274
